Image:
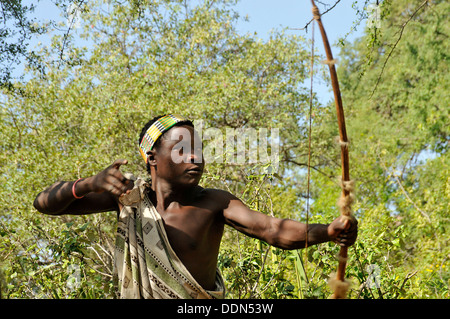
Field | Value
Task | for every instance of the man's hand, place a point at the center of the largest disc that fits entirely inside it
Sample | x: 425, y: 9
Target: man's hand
x: 111, y: 180
x: 343, y: 231
x: 94, y: 193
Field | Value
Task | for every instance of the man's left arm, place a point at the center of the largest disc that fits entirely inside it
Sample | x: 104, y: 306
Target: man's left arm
x: 286, y: 233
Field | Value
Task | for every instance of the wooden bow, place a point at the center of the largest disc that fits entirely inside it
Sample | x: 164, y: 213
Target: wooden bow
x: 338, y: 284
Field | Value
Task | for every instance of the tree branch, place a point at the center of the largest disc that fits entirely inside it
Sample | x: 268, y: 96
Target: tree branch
x: 402, y: 28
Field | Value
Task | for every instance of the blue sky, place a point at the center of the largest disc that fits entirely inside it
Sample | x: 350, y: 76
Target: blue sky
x: 266, y: 15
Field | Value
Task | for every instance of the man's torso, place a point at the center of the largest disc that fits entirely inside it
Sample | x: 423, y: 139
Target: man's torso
x: 195, y: 229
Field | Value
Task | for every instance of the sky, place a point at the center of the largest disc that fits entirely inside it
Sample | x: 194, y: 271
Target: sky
x: 266, y: 15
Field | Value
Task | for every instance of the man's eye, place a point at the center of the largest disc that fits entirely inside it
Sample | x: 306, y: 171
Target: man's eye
x: 177, y: 149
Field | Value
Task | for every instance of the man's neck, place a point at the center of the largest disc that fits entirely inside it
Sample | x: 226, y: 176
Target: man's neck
x: 167, y: 193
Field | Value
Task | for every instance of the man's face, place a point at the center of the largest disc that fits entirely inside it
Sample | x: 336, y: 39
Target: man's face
x: 179, y: 157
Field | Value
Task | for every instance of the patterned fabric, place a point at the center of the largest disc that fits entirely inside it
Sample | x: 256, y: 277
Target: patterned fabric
x: 156, y: 130
x: 145, y: 264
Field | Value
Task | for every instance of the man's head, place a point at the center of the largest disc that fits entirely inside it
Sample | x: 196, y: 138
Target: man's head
x: 172, y: 149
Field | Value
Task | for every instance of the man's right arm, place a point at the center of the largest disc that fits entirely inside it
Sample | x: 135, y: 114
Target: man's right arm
x: 99, y: 193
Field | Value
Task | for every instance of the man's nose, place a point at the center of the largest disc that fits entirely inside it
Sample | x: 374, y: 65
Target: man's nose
x: 196, y: 156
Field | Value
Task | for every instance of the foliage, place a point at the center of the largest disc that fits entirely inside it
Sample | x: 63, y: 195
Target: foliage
x: 400, y: 156
x: 19, y: 27
x: 73, y: 119
x: 138, y: 59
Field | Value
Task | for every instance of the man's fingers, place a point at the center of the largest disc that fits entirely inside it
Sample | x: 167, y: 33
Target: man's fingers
x: 115, y: 185
x: 118, y: 174
x: 346, y: 238
x: 346, y: 229
x: 347, y: 224
x: 117, y: 163
x: 116, y: 190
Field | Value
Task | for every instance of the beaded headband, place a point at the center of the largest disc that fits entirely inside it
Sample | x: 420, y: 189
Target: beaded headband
x: 155, y: 131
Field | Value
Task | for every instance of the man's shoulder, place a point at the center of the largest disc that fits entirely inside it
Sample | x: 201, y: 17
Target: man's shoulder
x: 216, y: 193
x: 217, y: 199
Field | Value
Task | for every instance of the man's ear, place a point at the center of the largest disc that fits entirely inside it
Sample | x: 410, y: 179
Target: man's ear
x: 151, y: 158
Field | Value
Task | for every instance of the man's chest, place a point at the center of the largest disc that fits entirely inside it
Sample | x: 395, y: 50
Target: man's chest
x: 195, y: 236
x: 193, y: 228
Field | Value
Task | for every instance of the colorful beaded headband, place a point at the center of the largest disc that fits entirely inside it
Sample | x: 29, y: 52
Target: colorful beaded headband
x: 156, y: 130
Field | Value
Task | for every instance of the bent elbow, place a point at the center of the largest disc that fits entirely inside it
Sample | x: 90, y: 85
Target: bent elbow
x: 37, y: 205
x: 42, y: 208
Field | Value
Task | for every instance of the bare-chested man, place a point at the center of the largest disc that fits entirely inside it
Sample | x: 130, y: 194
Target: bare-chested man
x: 193, y: 217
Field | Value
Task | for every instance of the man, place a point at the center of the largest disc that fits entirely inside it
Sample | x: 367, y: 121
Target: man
x: 169, y: 232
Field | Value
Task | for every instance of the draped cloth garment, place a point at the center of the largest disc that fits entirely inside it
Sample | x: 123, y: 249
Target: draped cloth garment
x: 145, y: 264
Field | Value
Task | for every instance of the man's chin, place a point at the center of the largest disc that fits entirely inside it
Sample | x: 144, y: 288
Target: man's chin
x: 192, y: 179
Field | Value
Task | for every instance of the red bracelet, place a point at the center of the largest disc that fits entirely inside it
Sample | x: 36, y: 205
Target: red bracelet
x: 73, y: 189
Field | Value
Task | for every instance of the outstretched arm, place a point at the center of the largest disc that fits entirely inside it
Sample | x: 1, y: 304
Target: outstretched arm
x: 287, y: 233
x: 98, y: 193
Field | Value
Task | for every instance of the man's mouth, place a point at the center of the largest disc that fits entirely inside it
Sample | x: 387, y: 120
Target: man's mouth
x: 195, y: 170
